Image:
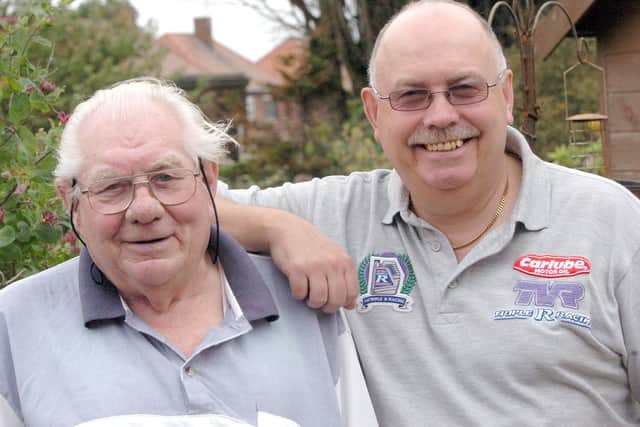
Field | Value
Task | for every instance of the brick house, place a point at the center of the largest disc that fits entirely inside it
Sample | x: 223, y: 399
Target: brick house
x: 231, y: 87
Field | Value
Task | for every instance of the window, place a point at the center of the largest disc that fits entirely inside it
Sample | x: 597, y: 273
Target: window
x: 270, y: 109
x: 250, y: 106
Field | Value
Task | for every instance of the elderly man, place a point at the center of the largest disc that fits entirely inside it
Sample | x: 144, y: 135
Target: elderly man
x: 162, y: 320
x: 495, y: 288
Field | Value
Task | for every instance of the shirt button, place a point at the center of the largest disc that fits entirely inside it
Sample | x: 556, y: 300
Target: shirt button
x: 435, y: 246
x: 190, y: 371
x: 454, y: 284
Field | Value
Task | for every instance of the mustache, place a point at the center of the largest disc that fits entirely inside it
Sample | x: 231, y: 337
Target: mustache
x: 423, y: 136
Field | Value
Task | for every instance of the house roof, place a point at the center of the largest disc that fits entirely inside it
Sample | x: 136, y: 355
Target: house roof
x: 291, y: 54
x: 285, y: 57
x: 190, y: 56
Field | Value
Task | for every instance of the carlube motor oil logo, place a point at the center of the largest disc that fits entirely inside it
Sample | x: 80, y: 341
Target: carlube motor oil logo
x: 552, y: 266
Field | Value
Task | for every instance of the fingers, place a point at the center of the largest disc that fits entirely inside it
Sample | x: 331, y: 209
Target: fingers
x: 341, y: 282
x: 299, y: 284
x: 337, y: 291
x: 308, y: 281
x: 319, y: 270
x: 325, y: 282
x: 318, y: 291
x: 352, y: 285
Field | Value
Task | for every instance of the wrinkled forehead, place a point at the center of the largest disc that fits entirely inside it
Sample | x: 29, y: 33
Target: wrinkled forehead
x: 124, y: 134
x: 115, y: 120
x: 434, y: 38
x: 130, y: 111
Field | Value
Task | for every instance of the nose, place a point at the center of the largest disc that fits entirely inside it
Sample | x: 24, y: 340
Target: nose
x: 144, y: 207
x: 440, y: 114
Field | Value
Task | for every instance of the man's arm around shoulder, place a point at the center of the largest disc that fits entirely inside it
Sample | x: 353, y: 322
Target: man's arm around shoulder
x: 318, y: 269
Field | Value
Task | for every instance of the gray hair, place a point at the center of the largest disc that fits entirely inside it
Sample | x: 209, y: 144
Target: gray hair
x: 203, y: 139
x: 500, y: 58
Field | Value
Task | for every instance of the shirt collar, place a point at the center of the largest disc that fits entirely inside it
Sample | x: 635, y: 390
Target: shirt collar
x: 398, y: 197
x: 100, y: 300
x: 533, y: 205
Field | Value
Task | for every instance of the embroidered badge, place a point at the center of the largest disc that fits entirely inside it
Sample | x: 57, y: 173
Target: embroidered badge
x: 552, y: 266
x: 386, y: 279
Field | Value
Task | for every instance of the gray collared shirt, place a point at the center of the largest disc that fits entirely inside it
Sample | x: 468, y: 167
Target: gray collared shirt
x: 538, y: 324
x: 70, y: 352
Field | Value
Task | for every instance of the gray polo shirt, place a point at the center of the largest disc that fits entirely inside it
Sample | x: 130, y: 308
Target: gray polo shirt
x: 537, y: 325
x: 70, y: 352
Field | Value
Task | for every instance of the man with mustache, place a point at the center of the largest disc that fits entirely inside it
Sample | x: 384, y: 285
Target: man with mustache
x: 494, y: 288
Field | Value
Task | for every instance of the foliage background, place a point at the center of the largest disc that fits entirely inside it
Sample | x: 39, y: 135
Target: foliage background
x: 51, y: 58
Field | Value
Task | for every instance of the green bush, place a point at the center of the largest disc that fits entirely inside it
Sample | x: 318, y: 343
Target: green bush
x: 587, y: 157
x: 32, y: 234
x: 325, y: 151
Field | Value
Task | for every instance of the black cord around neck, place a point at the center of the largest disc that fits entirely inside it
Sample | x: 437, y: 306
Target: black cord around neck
x: 215, y: 212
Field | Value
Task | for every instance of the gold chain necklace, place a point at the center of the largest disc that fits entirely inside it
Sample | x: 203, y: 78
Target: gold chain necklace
x: 499, y: 211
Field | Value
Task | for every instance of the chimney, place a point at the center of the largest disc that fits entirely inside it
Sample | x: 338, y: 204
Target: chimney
x: 203, y: 30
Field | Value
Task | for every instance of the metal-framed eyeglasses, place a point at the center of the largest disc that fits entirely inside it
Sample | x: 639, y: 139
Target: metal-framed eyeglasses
x: 415, y: 99
x: 169, y: 186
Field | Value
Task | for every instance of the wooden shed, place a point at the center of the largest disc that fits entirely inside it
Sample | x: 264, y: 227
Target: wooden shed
x: 616, y: 26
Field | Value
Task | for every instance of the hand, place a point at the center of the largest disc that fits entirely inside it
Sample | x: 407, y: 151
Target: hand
x: 318, y: 269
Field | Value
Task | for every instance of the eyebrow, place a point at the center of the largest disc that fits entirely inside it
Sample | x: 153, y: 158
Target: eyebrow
x: 468, y: 75
x: 171, y: 162
x: 167, y: 163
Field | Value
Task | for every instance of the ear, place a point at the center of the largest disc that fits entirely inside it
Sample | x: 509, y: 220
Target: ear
x: 64, y: 190
x: 507, y: 93
x: 211, y: 172
x: 370, y: 103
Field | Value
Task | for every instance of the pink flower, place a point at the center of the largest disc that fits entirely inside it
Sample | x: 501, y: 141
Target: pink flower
x: 69, y: 237
x: 21, y: 188
x: 50, y: 218
x: 47, y: 87
x: 64, y: 117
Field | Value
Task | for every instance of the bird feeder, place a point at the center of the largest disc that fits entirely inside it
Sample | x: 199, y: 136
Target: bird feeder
x: 586, y: 130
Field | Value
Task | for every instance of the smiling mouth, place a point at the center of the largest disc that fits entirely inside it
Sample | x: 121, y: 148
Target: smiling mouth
x: 142, y: 242
x: 445, y: 146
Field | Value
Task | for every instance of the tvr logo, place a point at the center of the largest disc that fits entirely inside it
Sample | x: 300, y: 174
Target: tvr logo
x: 545, y: 294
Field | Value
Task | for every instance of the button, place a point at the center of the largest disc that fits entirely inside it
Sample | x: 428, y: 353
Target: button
x: 435, y: 246
x: 454, y: 284
x: 190, y: 371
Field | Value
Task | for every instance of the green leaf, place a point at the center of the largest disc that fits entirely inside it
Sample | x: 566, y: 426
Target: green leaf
x: 46, y: 165
x: 38, y: 101
x: 20, y: 39
x: 26, y: 135
x: 48, y: 234
x: 20, y: 108
x: 28, y: 143
x: 26, y: 83
x: 42, y: 41
x: 24, y: 232
x: 11, y: 252
x: 7, y: 236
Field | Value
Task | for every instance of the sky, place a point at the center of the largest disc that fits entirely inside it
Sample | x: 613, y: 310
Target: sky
x: 237, y: 27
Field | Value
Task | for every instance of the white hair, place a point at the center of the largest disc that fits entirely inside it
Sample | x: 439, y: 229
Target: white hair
x: 203, y: 139
x: 500, y: 58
